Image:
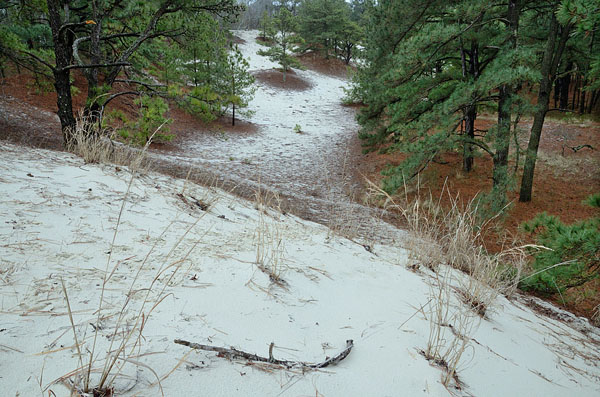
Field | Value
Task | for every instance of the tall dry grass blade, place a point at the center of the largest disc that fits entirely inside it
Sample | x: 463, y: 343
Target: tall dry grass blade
x: 79, y: 356
x: 108, y: 261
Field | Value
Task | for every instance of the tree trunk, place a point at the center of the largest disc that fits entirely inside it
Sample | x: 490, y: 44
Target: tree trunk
x: 233, y: 93
x: 62, y: 76
x: 92, y: 109
x: 195, y: 69
x: 575, y: 93
x: 550, y: 61
x: 470, y: 113
x: 565, y: 84
x: 593, y: 99
x: 582, y: 97
x: 502, y: 142
x: 557, y: 84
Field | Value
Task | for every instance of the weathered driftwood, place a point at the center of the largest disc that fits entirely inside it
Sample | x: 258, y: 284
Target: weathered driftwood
x: 232, y: 353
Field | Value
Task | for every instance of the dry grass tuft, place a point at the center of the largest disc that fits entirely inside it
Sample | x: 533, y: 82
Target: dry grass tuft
x: 454, y: 237
x: 596, y: 316
x: 270, y: 245
x: 7, y: 269
x: 450, y: 327
x: 442, y: 240
x: 99, y: 146
x: 120, y: 333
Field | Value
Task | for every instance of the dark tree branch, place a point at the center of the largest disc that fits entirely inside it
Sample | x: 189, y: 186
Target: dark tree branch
x: 232, y: 353
x: 66, y: 26
x: 40, y: 60
x: 118, y: 94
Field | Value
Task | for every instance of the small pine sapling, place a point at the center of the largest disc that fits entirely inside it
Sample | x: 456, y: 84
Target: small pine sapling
x: 573, y: 257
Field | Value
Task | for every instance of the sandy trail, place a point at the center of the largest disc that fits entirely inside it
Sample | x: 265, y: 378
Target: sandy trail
x: 312, y: 170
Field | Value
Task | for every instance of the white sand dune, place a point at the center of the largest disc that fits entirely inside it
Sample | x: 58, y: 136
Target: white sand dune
x: 59, y: 218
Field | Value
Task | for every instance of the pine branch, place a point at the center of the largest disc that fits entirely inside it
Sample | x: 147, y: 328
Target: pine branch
x: 40, y: 60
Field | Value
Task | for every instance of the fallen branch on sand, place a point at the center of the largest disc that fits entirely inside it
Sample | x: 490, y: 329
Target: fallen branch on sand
x: 232, y: 353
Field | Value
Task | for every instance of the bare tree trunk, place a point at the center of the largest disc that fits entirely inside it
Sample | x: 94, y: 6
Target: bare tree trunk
x: 593, y: 99
x: 574, y: 93
x: 557, y: 85
x: 470, y: 113
x: 582, y: 96
x: 565, y: 84
x: 552, y: 55
x: 502, y: 143
x: 62, y: 75
x: 92, y: 109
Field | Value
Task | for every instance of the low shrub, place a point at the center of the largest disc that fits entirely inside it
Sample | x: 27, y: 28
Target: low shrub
x: 573, y: 254
x: 151, y: 122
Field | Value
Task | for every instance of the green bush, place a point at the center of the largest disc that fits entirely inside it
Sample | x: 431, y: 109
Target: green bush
x: 573, y: 257
x: 202, y: 102
x: 152, y: 117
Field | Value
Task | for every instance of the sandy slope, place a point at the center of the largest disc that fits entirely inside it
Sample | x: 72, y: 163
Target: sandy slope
x: 312, y: 169
x: 58, y: 220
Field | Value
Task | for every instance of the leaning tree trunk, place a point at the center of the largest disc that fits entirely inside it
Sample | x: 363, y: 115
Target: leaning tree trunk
x: 552, y: 56
x: 62, y: 75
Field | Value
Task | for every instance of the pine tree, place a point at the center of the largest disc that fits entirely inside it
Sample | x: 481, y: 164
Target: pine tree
x: 327, y: 26
x: 427, y: 73
x: 557, y: 39
x: 285, y: 25
x: 570, y: 42
x: 238, y: 84
x: 321, y: 23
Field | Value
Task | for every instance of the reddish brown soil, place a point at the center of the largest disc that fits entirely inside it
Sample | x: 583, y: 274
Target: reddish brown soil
x: 331, y: 67
x: 264, y: 41
x: 185, y: 125
x: 39, y: 126
x: 274, y: 78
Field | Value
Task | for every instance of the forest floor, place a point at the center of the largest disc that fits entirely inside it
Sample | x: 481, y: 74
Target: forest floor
x: 564, y: 177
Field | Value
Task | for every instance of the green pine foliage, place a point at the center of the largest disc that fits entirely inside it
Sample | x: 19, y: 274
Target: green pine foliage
x: 327, y: 26
x: 585, y: 15
x: 238, y: 84
x: 151, y: 122
x: 267, y: 29
x: 200, y: 101
x: 22, y: 37
x: 573, y: 254
x: 284, y: 41
x: 129, y: 47
x: 430, y: 69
